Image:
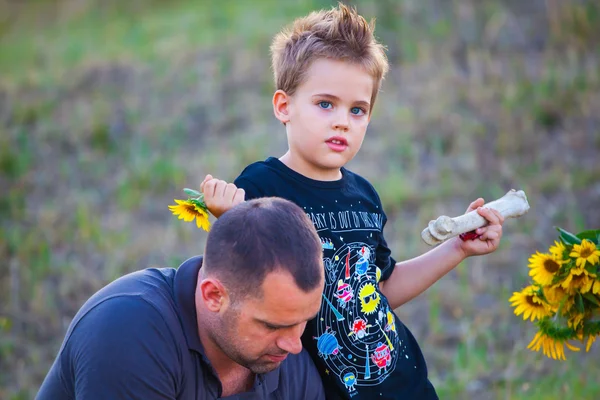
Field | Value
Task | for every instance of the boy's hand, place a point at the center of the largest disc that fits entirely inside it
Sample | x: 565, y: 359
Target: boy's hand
x: 489, y: 235
x: 220, y: 196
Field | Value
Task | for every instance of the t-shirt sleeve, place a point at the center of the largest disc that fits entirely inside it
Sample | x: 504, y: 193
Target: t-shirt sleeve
x: 302, y: 379
x: 383, y: 254
x: 252, y: 190
x: 384, y: 259
x: 121, y: 349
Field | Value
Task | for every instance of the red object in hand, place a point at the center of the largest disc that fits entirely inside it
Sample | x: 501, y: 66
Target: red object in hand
x: 469, y: 236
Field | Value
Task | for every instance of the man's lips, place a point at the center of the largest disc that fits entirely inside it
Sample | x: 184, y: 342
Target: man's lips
x: 276, y: 358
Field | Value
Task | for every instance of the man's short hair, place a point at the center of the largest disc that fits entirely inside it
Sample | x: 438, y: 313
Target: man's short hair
x: 337, y: 34
x: 261, y: 236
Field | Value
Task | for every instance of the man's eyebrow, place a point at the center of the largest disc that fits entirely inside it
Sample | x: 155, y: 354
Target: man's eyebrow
x: 279, y: 326
x: 334, y: 97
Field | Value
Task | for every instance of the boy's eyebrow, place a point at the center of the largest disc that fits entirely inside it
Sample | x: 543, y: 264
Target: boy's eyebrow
x: 333, y: 97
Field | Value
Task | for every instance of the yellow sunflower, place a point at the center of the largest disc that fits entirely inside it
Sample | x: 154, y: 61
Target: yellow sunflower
x: 202, y: 219
x: 550, y: 347
x: 528, y: 303
x: 187, y: 211
x: 544, y: 267
x: 585, y: 252
x: 558, y: 250
x: 590, y: 341
x: 575, y: 320
x: 596, y: 287
x: 556, y: 296
x: 578, y: 280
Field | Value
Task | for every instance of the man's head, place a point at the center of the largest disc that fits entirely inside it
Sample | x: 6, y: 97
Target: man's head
x: 261, y: 280
x: 328, y: 69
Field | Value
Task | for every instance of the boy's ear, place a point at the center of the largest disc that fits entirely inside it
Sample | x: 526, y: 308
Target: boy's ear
x: 281, y: 102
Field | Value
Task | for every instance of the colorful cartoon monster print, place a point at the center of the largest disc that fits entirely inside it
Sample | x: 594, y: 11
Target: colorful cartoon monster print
x: 327, y: 344
x: 344, y: 293
x: 381, y: 356
x: 390, y: 326
x: 369, y: 298
x: 326, y: 244
x: 350, y: 326
x: 349, y: 379
x: 359, y: 328
x: 362, y: 265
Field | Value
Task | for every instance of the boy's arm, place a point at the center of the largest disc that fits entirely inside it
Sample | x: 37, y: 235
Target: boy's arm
x: 220, y: 196
x: 412, y: 277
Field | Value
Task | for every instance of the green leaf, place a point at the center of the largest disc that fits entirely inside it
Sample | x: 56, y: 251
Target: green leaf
x: 591, y: 235
x: 591, y: 298
x: 568, y: 237
x: 579, y: 303
x: 191, y: 192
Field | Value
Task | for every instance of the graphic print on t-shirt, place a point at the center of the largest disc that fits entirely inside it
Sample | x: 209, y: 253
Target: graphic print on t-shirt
x: 355, y: 331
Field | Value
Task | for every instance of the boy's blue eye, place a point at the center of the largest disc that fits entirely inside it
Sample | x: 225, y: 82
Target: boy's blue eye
x: 324, y: 104
x: 356, y: 110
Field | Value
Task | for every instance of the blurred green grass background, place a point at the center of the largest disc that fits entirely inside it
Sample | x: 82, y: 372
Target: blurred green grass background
x: 108, y: 109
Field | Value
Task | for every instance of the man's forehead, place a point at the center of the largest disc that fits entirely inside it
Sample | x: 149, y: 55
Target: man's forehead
x: 282, y: 299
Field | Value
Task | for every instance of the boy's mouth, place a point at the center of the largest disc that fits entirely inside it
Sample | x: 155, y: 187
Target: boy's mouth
x: 337, y: 143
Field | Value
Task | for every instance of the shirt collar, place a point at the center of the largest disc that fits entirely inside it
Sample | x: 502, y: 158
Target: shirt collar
x: 186, y: 279
x: 185, y: 295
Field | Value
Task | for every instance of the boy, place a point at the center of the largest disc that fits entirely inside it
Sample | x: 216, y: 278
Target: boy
x: 328, y: 69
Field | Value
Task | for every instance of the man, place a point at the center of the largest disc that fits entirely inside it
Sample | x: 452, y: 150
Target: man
x: 226, y: 325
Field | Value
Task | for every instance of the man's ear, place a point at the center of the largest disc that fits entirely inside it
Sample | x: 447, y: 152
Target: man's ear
x: 213, y: 294
x: 281, y: 103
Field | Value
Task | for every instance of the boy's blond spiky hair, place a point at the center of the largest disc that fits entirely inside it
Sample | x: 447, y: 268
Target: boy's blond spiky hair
x: 338, y: 34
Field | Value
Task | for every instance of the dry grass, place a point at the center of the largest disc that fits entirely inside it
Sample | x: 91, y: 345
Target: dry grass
x: 102, y: 126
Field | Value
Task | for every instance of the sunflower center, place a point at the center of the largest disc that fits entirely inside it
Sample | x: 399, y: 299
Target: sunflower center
x: 551, y: 266
x: 530, y: 301
x: 577, y: 279
x: 586, y: 252
x: 190, y: 207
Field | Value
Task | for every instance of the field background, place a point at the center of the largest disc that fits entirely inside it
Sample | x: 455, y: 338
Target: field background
x: 108, y: 108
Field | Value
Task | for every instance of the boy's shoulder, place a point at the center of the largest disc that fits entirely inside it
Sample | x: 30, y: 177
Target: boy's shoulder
x: 258, y: 169
x: 273, y: 178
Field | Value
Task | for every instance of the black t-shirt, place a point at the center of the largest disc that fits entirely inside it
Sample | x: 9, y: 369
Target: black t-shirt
x: 360, y: 347
x: 137, y: 338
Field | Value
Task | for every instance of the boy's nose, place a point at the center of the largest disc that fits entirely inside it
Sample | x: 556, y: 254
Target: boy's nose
x: 341, y: 122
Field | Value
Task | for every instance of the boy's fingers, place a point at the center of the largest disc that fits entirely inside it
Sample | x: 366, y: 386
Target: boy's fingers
x: 229, y: 192
x: 206, y: 179
x: 240, y: 196
x: 476, y: 204
x: 491, y: 215
x: 220, y: 188
x: 492, y: 234
x: 209, y: 188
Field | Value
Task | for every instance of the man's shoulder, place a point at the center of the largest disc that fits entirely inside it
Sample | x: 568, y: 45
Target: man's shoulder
x: 155, y: 285
x: 137, y: 296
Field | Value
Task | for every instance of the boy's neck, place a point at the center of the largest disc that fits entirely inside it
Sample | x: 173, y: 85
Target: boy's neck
x: 310, y: 170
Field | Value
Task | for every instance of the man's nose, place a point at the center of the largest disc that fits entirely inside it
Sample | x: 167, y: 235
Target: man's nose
x: 291, y: 342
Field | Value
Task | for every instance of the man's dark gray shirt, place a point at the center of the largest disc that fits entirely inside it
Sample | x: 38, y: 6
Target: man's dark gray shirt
x: 137, y: 338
